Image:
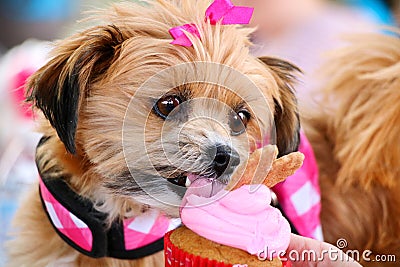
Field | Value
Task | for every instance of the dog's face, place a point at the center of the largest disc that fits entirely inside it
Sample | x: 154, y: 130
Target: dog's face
x: 145, y: 115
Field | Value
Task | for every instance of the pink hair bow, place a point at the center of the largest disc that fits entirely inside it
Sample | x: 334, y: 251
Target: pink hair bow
x: 227, y: 13
x: 180, y: 38
x: 219, y: 11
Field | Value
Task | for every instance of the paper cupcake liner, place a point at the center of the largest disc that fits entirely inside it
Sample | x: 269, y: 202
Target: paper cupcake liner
x: 175, y: 257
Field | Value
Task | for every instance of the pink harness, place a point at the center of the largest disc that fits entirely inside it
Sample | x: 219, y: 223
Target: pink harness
x: 82, y: 227
x: 300, y: 197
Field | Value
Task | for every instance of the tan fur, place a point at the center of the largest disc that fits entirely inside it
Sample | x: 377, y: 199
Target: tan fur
x: 107, y: 65
x: 355, y: 135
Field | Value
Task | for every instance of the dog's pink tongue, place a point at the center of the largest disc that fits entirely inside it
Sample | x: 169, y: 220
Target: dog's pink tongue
x: 202, y: 187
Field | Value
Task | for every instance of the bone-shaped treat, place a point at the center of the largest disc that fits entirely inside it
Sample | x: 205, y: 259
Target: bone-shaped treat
x: 262, y: 167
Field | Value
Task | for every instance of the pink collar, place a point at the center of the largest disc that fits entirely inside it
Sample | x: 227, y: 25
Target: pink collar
x: 81, y: 226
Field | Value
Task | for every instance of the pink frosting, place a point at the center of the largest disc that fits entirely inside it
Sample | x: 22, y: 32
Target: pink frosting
x: 242, y: 218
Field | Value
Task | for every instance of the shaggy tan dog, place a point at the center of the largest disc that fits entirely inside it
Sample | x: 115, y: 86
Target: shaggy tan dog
x: 356, y: 141
x: 104, y: 133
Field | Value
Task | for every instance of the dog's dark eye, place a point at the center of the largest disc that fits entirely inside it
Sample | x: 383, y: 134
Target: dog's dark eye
x: 166, y: 104
x: 238, y: 122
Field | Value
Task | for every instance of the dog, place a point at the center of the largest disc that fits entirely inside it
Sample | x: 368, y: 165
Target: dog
x: 124, y: 123
x: 354, y: 135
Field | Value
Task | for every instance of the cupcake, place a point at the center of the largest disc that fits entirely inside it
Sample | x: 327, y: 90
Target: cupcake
x: 185, y: 246
x: 234, y: 224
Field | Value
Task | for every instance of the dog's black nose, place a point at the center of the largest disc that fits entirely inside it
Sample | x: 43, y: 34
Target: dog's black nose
x: 225, y: 160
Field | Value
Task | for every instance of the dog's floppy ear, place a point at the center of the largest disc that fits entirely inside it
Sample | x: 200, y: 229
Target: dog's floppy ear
x: 287, y: 121
x: 60, y: 87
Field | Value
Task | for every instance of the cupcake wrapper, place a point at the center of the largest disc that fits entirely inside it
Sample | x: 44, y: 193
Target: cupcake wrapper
x: 175, y: 257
